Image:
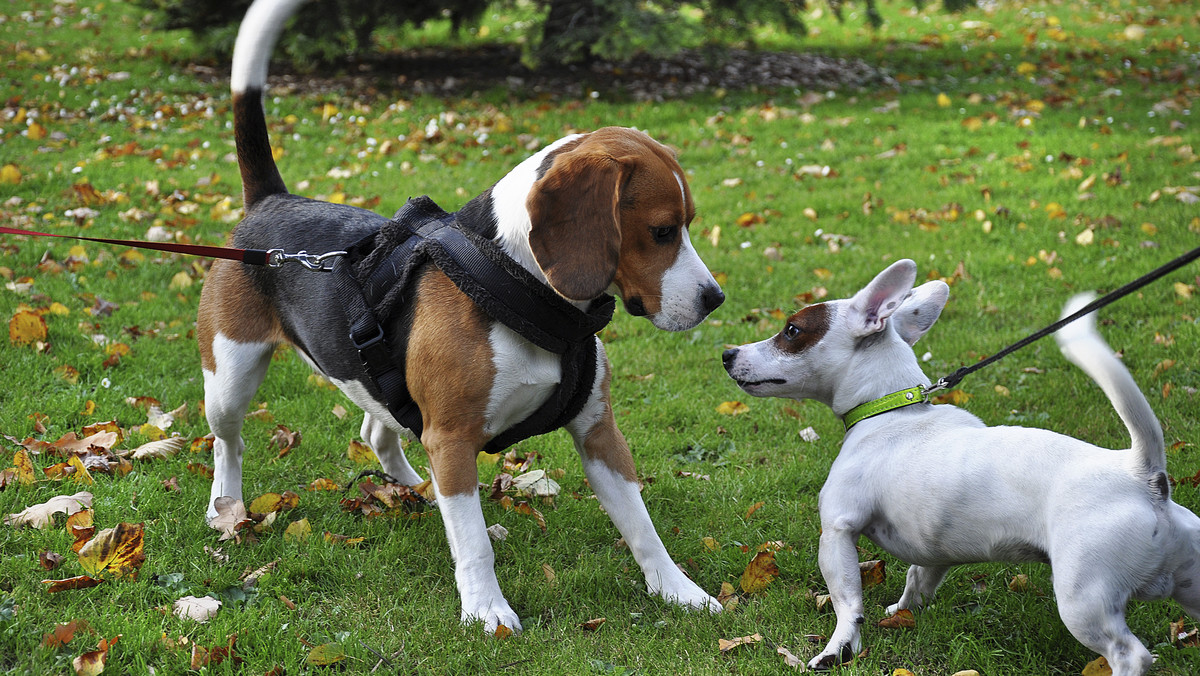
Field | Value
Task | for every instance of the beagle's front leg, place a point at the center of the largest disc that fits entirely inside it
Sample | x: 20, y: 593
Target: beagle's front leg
x: 609, y: 467
x: 455, y: 483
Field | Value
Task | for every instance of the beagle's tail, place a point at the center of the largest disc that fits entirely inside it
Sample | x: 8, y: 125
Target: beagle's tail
x: 256, y: 37
x: 1083, y: 346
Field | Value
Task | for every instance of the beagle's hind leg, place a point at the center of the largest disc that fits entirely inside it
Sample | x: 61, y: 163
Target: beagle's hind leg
x: 238, y: 370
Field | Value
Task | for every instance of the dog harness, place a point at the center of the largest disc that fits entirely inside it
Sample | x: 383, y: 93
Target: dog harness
x: 375, y: 281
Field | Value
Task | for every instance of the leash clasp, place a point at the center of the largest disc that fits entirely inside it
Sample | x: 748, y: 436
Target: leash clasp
x: 316, y: 262
x: 928, y: 392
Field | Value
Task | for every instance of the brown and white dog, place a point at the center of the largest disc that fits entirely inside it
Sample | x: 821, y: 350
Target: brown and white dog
x: 606, y: 211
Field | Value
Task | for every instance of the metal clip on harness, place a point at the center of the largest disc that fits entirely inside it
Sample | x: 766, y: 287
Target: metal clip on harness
x: 276, y: 258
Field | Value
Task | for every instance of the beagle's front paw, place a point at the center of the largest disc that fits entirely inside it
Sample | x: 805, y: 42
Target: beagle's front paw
x: 492, y: 613
x: 678, y: 589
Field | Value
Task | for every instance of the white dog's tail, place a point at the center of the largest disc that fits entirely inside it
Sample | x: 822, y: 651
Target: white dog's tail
x: 256, y: 38
x: 1083, y: 346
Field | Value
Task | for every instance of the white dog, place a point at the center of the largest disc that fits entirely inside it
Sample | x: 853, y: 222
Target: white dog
x: 934, y: 486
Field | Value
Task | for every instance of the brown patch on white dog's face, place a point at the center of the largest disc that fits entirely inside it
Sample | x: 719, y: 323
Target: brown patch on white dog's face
x: 803, y: 329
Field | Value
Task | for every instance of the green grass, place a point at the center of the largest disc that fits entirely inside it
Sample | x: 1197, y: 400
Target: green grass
x: 156, y: 145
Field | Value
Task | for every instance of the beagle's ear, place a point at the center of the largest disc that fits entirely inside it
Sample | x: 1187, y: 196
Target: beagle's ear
x: 574, y: 213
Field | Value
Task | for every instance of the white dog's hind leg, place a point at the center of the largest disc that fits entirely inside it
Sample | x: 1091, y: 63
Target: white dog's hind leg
x: 1094, y: 611
x: 386, y: 444
x: 838, y: 560
x: 239, y: 368
x: 920, y: 584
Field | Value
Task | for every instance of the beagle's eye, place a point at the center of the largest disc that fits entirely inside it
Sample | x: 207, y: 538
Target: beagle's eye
x: 791, y: 331
x: 664, y: 234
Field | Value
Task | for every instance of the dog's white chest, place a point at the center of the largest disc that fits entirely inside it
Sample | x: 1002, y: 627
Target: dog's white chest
x: 525, y: 376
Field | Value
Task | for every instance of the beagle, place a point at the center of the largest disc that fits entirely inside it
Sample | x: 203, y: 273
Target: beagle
x: 590, y: 214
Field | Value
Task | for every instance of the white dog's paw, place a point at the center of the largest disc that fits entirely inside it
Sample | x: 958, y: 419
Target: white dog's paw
x: 492, y: 614
x: 832, y: 656
x: 678, y: 589
x: 891, y: 610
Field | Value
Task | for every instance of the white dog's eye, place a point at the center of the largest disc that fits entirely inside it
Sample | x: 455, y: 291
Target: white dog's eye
x: 791, y: 331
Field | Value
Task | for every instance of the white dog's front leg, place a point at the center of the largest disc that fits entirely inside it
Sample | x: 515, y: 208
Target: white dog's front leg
x: 838, y: 559
x: 390, y: 451
x: 623, y: 502
x: 474, y: 563
x: 919, y: 586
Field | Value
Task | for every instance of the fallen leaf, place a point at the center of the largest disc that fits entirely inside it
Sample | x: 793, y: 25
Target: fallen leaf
x: 592, y: 624
x: 1097, y: 667
x: 298, y: 530
x: 231, y: 517
x: 63, y: 633
x: 361, y: 453
x: 92, y: 663
x: 872, y: 572
x: 200, y: 609
x: 161, y: 449
x: 536, y: 483
x: 118, y: 551
x: 754, y: 508
x: 725, y: 645
x: 284, y: 439
x: 732, y: 408
x: 24, y: 467
x: 41, y: 516
x: 502, y: 632
x: 789, y: 659
x: 760, y: 572
x: 27, y: 327
x: 49, y: 560
x: 903, y: 619
x: 79, y: 582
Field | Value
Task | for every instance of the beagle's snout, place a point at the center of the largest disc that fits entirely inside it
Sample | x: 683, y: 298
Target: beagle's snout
x: 712, y: 298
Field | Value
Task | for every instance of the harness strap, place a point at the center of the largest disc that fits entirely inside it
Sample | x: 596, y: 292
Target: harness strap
x: 375, y: 278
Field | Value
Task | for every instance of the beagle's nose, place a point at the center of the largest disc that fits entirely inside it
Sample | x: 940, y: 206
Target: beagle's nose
x: 712, y: 298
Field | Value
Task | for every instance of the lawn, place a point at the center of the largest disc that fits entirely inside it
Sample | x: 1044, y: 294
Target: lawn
x: 1028, y: 151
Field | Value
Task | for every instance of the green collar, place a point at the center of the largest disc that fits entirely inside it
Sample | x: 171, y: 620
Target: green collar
x: 891, y: 402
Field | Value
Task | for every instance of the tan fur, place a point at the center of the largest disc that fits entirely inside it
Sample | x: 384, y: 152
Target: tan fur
x: 230, y: 306
x: 450, y: 373
x: 605, y: 442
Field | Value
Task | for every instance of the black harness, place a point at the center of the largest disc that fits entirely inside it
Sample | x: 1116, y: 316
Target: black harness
x: 375, y: 281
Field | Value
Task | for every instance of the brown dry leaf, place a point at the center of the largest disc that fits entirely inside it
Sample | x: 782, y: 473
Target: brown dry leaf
x: 536, y: 484
x: 1097, y: 667
x: 203, y: 657
x: 725, y: 645
x: 118, y: 551
x: 41, y: 516
x: 324, y: 485
x: 592, y: 624
x: 201, y: 609
x: 361, y: 453
x: 343, y: 539
x: 732, y: 408
x: 1019, y: 583
x: 27, y: 327
x: 161, y: 449
x: 49, y: 560
x: 754, y: 508
x: 92, y: 663
x: 64, y: 632
x: 284, y: 439
x: 502, y: 632
x: 759, y: 573
x: 104, y: 434
x: 298, y: 530
x: 79, y: 582
x: 872, y: 572
x: 903, y: 619
x: 523, y: 507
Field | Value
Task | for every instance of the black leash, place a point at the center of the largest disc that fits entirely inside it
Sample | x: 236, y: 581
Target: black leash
x: 954, y: 378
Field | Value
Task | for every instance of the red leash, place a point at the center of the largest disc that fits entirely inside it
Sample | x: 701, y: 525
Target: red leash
x: 270, y: 257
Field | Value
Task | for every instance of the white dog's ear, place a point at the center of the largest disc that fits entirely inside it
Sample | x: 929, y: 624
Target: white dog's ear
x: 920, y: 310
x: 870, y: 308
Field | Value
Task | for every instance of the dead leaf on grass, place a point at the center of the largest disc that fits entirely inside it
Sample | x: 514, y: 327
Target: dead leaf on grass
x: 41, y: 516
x: 201, y: 609
x: 725, y: 645
x: 117, y: 551
x: 760, y: 572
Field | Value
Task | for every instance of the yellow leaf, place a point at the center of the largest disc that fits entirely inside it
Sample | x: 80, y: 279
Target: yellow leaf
x: 901, y: 671
x: 181, y: 280
x: 943, y: 101
x: 36, y: 132
x: 26, y: 327
x: 1026, y: 68
x: 361, y: 453
x: 1097, y: 667
x: 503, y: 632
x: 24, y: 467
x: 326, y: 654
x: 872, y: 572
x: 80, y: 475
x: 118, y: 551
x: 1183, y: 290
x: 759, y: 573
x: 10, y: 174
x: 711, y: 544
x: 298, y: 530
x: 92, y: 663
x: 732, y: 408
